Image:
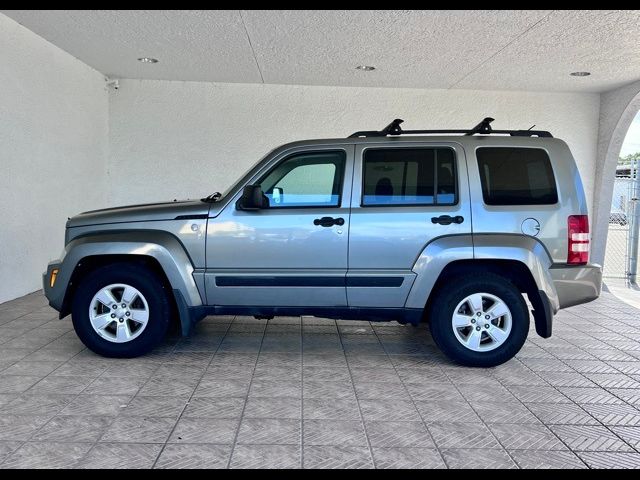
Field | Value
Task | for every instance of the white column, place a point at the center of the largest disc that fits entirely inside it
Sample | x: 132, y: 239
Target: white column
x: 617, y: 110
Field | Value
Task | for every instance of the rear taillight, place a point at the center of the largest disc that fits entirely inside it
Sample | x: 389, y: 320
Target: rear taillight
x: 578, y: 251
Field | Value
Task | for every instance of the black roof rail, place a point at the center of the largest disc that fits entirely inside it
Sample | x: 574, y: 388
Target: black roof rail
x: 483, y: 128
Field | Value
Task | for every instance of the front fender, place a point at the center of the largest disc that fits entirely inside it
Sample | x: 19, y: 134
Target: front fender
x: 162, y: 246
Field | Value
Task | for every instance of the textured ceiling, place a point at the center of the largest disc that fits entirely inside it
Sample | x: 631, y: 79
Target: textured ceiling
x: 484, y: 49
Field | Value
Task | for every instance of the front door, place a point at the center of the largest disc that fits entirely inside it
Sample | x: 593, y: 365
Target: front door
x: 404, y: 196
x: 293, y: 253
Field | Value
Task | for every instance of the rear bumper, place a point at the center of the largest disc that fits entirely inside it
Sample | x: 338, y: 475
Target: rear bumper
x: 576, y: 284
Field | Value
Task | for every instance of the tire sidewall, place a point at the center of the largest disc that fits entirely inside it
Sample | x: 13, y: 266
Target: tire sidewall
x: 148, y: 285
x: 446, y: 303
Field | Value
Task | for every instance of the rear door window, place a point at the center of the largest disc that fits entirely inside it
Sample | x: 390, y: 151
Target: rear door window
x: 409, y: 176
x: 516, y: 176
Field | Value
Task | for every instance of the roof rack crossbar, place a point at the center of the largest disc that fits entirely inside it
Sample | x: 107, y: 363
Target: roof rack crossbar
x: 483, y: 128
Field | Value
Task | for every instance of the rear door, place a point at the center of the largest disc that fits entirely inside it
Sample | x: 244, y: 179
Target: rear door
x: 404, y: 196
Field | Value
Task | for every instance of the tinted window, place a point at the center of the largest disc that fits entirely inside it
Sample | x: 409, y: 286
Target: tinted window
x: 310, y: 179
x: 409, y: 176
x: 516, y: 176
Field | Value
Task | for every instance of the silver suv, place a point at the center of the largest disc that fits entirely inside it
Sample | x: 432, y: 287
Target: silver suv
x: 448, y: 227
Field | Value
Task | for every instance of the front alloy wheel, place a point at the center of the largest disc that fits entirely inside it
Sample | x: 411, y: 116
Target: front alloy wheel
x: 121, y: 310
x: 119, y: 313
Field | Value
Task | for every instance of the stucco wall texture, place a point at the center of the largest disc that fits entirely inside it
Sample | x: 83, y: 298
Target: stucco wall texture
x: 172, y: 139
x: 53, y: 152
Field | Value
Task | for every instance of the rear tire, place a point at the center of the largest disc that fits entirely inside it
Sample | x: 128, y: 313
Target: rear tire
x: 466, y: 325
x: 132, y: 325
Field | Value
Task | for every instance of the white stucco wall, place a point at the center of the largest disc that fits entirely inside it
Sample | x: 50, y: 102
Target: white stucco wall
x: 53, y: 152
x: 186, y: 139
x: 69, y: 144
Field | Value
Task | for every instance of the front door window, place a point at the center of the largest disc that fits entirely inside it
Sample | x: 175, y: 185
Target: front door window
x: 306, y: 180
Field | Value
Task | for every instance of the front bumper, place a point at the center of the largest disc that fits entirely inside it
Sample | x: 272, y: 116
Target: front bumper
x: 54, y: 294
x: 576, y: 284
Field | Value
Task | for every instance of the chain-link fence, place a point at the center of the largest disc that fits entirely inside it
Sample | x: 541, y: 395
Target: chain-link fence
x: 616, y: 263
x: 622, y: 249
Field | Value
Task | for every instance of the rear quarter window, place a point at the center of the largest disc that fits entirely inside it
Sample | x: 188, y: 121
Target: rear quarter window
x: 516, y: 176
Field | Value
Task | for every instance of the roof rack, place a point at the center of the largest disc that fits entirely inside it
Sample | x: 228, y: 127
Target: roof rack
x: 483, y: 128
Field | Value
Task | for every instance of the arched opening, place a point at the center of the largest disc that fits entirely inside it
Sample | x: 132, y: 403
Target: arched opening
x: 618, y: 111
x: 618, y: 108
x: 621, y: 253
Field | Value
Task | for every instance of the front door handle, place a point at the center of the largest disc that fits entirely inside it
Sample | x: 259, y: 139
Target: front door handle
x: 329, y: 221
x: 447, y: 219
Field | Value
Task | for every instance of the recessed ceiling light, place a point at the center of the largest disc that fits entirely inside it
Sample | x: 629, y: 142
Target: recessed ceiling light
x: 366, y: 68
x: 148, y: 60
x: 580, y: 74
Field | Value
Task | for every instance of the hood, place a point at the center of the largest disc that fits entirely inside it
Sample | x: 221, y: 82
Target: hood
x: 141, y: 213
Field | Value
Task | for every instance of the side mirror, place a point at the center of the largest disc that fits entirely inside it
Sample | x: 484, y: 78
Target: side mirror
x: 252, y: 198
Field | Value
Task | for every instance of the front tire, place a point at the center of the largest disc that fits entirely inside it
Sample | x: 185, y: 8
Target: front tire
x: 121, y: 310
x: 481, y: 321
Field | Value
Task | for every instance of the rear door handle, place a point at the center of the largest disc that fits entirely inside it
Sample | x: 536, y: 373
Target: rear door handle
x: 447, y: 219
x: 328, y: 221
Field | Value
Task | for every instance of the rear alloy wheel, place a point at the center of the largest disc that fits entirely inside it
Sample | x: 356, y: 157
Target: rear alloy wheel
x: 121, y: 310
x: 482, y: 321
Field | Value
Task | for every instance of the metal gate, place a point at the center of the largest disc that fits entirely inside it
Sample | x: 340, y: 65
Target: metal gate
x: 621, y: 256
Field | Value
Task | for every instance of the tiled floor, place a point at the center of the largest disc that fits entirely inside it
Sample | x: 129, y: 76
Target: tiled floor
x: 250, y: 393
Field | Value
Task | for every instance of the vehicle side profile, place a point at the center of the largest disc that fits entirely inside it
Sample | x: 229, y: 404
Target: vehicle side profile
x: 449, y: 227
